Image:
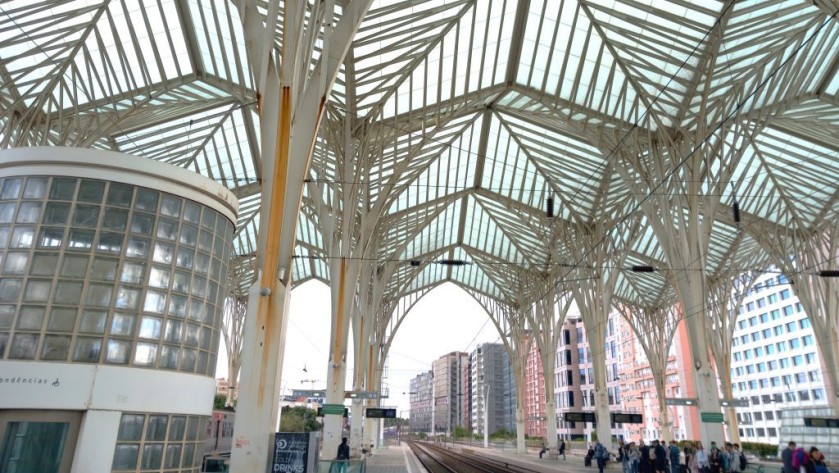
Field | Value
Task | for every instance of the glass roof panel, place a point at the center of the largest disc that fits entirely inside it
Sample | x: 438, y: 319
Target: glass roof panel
x: 563, y: 56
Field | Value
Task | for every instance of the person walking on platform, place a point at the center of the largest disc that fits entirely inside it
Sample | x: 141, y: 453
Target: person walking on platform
x: 661, y: 460
x: 786, y: 456
x: 562, y: 448
x: 674, y: 457
x: 634, y: 458
x: 601, y: 455
x: 342, y: 458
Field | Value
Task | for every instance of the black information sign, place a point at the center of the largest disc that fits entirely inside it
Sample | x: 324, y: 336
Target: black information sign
x: 291, y: 453
x: 320, y: 412
x: 621, y: 418
x: 378, y: 413
x: 821, y: 422
x: 578, y: 417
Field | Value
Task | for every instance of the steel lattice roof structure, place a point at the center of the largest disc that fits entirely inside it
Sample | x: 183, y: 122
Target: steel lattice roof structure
x: 454, y: 122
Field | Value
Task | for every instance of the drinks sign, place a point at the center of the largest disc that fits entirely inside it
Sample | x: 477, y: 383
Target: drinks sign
x: 291, y: 453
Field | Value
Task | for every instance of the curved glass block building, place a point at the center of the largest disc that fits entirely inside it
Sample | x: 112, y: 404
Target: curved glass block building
x: 112, y: 280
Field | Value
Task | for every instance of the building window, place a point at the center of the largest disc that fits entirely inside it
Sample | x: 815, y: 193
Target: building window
x: 775, y: 381
x: 807, y: 340
x: 776, y: 314
x: 752, y: 321
x: 758, y: 416
x: 761, y: 303
x: 788, y: 310
x: 792, y: 327
x: 770, y: 349
x: 570, y: 377
x: 756, y: 336
x: 761, y: 432
x: 785, y: 294
x: 566, y: 337
x: 769, y: 415
x: 581, y: 354
x: 800, y: 378
x: 818, y: 394
x: 804, y: 323
x: 155, y: 441
x: 794, y: 343
x: 815, y: 376
x: 797, y: 360
x: 804, y: 395
x: 772, y: 298
x: 767, y: 332
x: 773, y: 432
x: 773, y: 365
x: 570, y: 399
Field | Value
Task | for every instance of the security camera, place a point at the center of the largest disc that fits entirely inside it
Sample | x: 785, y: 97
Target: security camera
x: 264, y: 291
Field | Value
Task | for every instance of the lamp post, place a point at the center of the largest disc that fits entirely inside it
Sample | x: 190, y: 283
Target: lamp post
x: 486, y: 415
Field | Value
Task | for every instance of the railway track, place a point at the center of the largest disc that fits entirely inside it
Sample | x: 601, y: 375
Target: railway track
x: 441, y: 460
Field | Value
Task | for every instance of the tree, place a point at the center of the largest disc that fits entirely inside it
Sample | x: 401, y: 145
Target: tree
x: 219, y: 402
x: 298, y: 419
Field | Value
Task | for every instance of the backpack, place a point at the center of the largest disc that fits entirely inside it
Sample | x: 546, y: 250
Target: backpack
x: 743, y: 461
x: 799, y: 458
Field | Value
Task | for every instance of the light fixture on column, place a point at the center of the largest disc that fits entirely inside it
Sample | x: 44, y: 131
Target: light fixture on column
x: 829, y: 273
x: 642, y: 268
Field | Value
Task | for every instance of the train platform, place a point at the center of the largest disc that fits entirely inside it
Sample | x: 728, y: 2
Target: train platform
x: 400, y: 459
x: 394, y: 459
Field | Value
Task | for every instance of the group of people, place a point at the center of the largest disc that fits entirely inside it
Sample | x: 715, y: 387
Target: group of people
x: 798, y: 460
x: 561, y: 449
x: 658, y: 457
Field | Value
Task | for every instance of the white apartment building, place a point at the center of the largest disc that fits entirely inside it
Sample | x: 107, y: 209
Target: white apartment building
x: 775, y: 361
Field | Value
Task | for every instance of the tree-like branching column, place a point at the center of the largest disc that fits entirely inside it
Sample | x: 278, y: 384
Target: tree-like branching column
x: 807, y: 258
x: 515, y: 334
x: 654, y: 327
x: 546, y: 322
x: 592, y: 285
x: 725, y: 296
x: 233, y: 325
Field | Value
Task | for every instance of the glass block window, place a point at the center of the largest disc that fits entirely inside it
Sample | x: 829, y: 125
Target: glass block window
x: 160, y: 442
x: 110, y: 273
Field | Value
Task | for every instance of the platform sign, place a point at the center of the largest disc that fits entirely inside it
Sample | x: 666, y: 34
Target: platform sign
x: 831, y: 423
x: 332, y: 409
x: 361, y: 395
x: 711, y: 417
x: 291, y: 452
x: 678, y: 401
x: 622, y: 418
x: 578, y: 417
x: 379, y: 413
x: 307, y: 393
x: 734, y: 402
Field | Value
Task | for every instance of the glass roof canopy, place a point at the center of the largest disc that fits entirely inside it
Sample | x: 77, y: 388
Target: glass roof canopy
x: 466, y: 116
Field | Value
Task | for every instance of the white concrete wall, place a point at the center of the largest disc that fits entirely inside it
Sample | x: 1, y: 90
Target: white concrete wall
x: 103, y: 393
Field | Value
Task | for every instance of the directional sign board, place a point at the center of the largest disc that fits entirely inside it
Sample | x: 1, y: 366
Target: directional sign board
x: 578, y: 417
x: 734, y: 402
x: 379, y: 413
x: 821, y: 422
x: 621, y: 418
x: 711, y: 417
x: 307, y: 393
x: 346, y: 412
x: 361, y: 395
x: 679, y: 401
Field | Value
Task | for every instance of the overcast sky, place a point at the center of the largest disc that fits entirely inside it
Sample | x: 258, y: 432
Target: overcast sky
x: 445, y: 320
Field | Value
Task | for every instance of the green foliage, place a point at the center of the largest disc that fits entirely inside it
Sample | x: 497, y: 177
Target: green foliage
x: 502, y: 434
x: 460, y: 432
x: 760, y: 449
x: 219, y: 401
x: 298, y: 419
x: 422, y: 436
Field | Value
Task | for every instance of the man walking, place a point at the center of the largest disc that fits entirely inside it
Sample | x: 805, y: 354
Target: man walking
x: 786, y: 457
x: 601, y: 455
x: 562, y: 449
x: 674, y: 457
x: 343, y: 456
